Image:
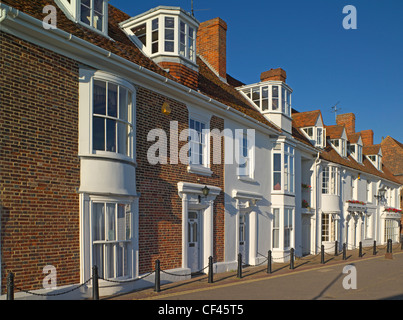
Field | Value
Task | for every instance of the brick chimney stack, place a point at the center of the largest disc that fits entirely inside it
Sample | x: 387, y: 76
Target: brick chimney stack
x: 273, y: 75
x: 348, y: 121
x: 212, y: 45
x: 367, y: 137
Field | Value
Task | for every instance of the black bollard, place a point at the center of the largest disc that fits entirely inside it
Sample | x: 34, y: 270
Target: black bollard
x: 239, y: 273
x: 157, y: 285
x: 269, y: 262
x: 344, y: 252
x: 210, y: 270
x: 322, y: 254
x: 292, y: 258
x: 360, y: 250
x: 95, y: 285
x: 390, y: 245
x: 374, y: 249
x: 336, y: 248
x: 10, y: 286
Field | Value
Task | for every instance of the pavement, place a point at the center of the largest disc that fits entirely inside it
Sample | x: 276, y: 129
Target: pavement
x: 377, y: 277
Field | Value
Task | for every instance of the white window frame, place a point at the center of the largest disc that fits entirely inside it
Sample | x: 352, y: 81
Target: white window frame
x: 287, y: 175
x: 87, y: 77
x: 329, y: 228
x: 87, y: 236
x: 330, y: 180
x: 289, y: 212
x: 90, y: 25
x: 245, y: 169
x: 130, y: 122
x: 276, y: 228
x: 204, y: 168
x: 284, y: 103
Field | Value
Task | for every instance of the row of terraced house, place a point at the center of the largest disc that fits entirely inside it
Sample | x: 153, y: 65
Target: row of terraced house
x: 124, y: 141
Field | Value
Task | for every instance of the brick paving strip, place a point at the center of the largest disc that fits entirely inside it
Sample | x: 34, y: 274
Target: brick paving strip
x: 250, y: 274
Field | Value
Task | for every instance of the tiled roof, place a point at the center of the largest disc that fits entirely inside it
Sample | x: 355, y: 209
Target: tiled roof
x: 392, y: 156
x: 334, y: 132
x: 354, y: 137
x: 305, y: 119
x: 371, y: 150
x: 120, y: 44
x: 366, y: 167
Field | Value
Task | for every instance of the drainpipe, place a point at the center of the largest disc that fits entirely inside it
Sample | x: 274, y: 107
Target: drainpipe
x: 315, y: 196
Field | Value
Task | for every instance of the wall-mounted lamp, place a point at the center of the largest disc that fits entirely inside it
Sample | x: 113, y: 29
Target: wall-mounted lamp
x: 166, y: 109
x: 205, y: 192
x: 381, y: 195
x: 252, y: 202
x: 359, y: 176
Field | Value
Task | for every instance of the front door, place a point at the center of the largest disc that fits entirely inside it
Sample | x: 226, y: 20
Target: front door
x: 194, y: 241
x: 243, y: 238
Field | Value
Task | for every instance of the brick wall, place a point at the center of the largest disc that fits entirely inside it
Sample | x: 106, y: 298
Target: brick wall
x: 39, y: 166
x: 160, y: 207
x: 348, y: 121
x: 212, y: 44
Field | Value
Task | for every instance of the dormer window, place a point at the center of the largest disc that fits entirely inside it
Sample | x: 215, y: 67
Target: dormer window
x: 316, y: 135
x: 376, y: 161
x: 374, y: 154
x: 91, y: 13
x: 163, y: 33
x: 340, y: 145
x: 355, y: 150
x: 270, y: 98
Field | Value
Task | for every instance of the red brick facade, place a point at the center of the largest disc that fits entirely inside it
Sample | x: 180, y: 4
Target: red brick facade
x: 40, y: 171
x: 39, y: 165
x: 160, y: 206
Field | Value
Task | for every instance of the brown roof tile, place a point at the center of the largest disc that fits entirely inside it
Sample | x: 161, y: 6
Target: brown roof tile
x: 305, y: 119
x: 371, y: 150
x: 334, y: 132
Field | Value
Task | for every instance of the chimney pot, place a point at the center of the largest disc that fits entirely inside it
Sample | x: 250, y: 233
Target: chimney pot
x: 273, y: 75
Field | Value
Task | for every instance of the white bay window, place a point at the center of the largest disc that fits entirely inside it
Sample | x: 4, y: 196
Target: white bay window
x: 283, y: 168
x: 111, y: 239
x: 112, y: 129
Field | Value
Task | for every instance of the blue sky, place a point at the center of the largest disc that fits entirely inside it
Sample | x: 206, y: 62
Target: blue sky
x: 361, y: 69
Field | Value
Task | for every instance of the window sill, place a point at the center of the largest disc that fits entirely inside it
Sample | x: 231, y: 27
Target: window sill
x: 197, y: 169
x: 246, y: 179
x: 110, y: 156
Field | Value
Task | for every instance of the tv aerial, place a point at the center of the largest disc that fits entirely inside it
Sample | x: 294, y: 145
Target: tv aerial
x: 336, y: 109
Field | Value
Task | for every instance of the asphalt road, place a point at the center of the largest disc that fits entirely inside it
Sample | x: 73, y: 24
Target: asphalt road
x: 376, y: 278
